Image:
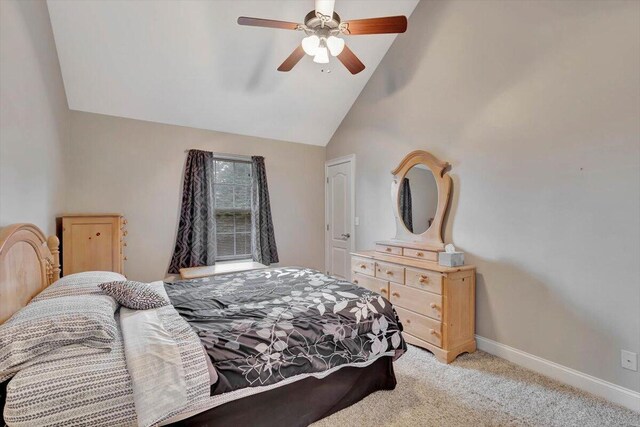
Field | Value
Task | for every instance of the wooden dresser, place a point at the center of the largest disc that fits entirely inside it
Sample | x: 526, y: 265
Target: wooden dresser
x: 93, y: 242
x: 436, y: 304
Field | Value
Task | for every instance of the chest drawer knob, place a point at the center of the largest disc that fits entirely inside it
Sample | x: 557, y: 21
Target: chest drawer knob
x: 424, y: 279
x: 363, y: 266
x: 395, y: 294
x: 390, y: 273
x: 355, y: 281
x: 434, y: 332
x: 383, y: 290
x: 407, y: 321
x: 420, y: 254
x: 434, y: 306
x: 388, y: 249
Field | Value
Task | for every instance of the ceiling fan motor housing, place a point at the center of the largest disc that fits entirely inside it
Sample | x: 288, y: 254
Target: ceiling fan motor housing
x: 314, y: 22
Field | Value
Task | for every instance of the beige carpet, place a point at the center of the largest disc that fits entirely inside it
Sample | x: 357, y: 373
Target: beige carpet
x: 477, y: 390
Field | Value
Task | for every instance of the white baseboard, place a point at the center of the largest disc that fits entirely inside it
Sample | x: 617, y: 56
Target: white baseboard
x: 612, y: 392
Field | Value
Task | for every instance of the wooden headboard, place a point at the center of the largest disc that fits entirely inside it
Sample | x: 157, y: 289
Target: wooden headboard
x: 28, y: 264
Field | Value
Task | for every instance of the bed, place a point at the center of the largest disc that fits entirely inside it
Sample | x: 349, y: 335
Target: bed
x: 284, y: 346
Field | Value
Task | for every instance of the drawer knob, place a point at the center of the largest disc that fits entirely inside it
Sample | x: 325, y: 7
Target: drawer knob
x: 424, y: 279
x: 395, y: 294
x: 383, y: 290
x: 363, y: 266
x: 388, y: 249
x: 389, y: 272
x: 355, y: 281
x: 124, y: 259
x: 433, y: 332
x: 434, y: 306
x: 420, y: 254
x: 408, y: 321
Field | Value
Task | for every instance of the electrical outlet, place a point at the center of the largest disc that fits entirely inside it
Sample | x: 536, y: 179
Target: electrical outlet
x: 629, y: 360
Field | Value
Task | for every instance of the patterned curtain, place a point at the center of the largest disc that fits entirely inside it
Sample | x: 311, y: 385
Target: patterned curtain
x: 263, y: 240
x: 196, y: 239
x: 405, y: 204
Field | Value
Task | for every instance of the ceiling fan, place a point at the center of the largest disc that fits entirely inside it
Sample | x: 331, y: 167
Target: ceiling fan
x: 323, y: 28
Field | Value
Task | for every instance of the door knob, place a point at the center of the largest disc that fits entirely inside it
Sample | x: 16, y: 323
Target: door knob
x: 346, y: 236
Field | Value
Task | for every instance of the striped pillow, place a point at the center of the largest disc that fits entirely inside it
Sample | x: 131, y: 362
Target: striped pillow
x: 84, y: 283
x: 134, y: 295
x: 50, y: 324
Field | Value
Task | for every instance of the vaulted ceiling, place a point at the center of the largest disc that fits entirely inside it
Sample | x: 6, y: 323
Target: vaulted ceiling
x: 189, y: 63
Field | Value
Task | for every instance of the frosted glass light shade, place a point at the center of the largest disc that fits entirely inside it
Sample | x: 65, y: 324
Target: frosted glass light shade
x: 310, y: 45
x: 322, y: 56
x: 335, y: 45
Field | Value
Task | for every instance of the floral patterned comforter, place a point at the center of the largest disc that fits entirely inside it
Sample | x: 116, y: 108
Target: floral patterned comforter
x: 263, y: 326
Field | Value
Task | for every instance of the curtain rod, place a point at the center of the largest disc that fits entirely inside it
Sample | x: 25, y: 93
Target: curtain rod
x: 227, y: 156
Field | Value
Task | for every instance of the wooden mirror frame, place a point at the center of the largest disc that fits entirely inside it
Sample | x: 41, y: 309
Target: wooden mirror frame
x: 431, y: 239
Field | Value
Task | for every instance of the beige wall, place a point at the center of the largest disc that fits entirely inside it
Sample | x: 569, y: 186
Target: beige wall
x: 536, y: 105
x: 33, y: 117
x: 136, y: 167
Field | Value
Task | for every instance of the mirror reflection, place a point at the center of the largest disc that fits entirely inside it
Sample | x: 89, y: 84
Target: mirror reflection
x: 418, y: 199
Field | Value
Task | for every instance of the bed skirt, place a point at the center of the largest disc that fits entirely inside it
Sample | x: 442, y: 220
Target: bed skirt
x: 302, y: 402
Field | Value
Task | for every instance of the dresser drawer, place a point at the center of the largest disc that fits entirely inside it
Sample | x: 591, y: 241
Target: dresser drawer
x: 418, y: 301
x: 420, y: 326
x: 391, y: 272
x: 374, y: 285
x: 420, y: 254
x: 364, y: 266
x: 389, y: 250
x: 424, y: 279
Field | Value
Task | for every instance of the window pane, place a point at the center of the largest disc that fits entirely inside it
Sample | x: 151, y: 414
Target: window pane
x: 224, y: 172
x: 232, y: 191
x: 243, y: 222
x: 247, y: 242
x: 224, y: 223
x: 243, y: 196
x: 243, y: 173
x: 224, y: 196
x: 243, y: 243
x: 225, y: 245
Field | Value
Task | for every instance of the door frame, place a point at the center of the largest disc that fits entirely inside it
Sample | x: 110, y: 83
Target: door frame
x: 351, y: 159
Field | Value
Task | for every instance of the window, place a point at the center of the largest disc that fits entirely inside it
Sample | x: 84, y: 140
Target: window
x: 232, y: 189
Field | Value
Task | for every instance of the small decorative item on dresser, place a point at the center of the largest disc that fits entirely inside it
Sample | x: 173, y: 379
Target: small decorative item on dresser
x: 450, y: 258
x: 93, y: 242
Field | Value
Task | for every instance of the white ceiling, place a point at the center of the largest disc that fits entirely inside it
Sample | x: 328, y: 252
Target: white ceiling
x: 189, y: 63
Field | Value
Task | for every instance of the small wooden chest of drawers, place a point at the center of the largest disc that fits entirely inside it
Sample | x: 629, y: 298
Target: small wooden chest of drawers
x: 435, y: 304
x: 93, y: 243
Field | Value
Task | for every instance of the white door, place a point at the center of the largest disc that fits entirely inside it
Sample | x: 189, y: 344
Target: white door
x: 339, y: 227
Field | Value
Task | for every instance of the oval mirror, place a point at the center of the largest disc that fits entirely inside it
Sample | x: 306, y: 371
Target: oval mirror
x: 418, y: 199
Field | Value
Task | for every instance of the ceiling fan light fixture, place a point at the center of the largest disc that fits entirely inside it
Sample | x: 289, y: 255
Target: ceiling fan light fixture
x: 335, y: 45
x: 311, y: 44
x: 322, y: 56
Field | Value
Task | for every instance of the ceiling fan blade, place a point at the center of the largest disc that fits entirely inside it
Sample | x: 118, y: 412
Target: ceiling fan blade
x: 385, y: 25
x: 350, y: 60
x: 325, y: 7
x: 269, y: 23
x: 292, y: 60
